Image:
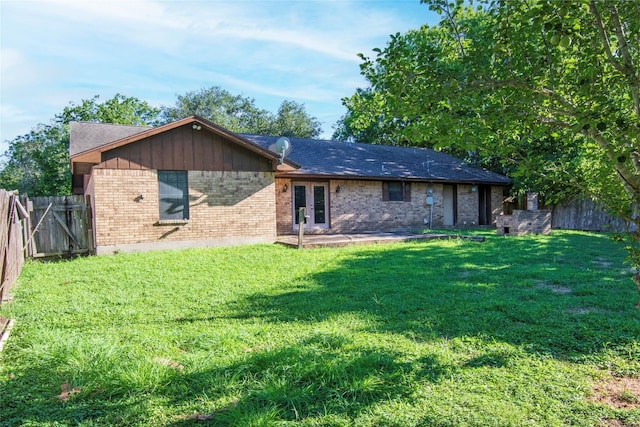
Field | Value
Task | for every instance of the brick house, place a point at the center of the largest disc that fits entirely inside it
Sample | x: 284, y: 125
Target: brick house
x: 193, y: 183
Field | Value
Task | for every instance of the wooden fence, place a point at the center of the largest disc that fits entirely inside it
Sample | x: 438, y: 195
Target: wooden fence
x: 576, y: 214
x: 585, y: 214
x: 14, y: 232
x: 64, y: 226
x: 40, y: 227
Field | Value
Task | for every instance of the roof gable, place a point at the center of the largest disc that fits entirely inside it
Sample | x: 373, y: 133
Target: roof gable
x: 89, y: 140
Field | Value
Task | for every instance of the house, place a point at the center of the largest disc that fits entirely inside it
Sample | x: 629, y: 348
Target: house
x: 193, y: 183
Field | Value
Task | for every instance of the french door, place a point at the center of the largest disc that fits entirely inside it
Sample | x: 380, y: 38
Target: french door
x: 313, y: 197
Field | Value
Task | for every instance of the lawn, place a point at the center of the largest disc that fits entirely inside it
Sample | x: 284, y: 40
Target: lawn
x: 514, y: 331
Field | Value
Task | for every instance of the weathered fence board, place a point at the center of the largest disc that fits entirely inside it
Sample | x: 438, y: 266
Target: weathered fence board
x: 584, y: 214
x: 65, y: 225
x: 11, y: 241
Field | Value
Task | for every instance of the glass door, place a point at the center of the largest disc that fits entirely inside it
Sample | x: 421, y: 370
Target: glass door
x: 313, y: 197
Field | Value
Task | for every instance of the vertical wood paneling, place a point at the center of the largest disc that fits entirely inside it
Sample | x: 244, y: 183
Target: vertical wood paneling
x: 197, y: 150
x: 207, y: 151
x: 227, y: 156
x: 156, y: 153
x: 178, y: 154
x: 217, y: 154
x: 136, y: 155
x: 112, y: 163
x: 185, y: 149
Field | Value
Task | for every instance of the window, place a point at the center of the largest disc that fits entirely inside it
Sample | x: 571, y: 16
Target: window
x: 173, y: 195
x: 396, y: 191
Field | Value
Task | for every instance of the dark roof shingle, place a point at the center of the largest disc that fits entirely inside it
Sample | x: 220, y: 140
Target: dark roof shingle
x: 84, y: 136
x: 357, y: 160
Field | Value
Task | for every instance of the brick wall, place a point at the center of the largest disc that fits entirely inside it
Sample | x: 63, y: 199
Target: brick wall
x: 284, y: 206
x: 224, y: 207
x: 525, y: 222
x: 359, y: 206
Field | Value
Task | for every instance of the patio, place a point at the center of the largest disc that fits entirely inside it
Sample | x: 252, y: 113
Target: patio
x: 310, y: 241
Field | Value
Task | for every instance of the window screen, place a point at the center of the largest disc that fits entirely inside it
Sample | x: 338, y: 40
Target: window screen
x: 173, y: 194
x: 396, y: 191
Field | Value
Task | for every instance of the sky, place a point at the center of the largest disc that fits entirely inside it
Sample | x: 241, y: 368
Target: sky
x: 57, y: 52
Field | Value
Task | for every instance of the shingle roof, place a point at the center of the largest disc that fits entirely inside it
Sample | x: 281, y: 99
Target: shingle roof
x: 356, y: 160
x: 320, y: 158
x: 85, y: 136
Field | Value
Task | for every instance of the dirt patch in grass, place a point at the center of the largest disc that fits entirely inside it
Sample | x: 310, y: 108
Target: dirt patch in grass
x: 555, y: 288
x: 602, y: 262
x: 618, y: 393
x: 584, y: 310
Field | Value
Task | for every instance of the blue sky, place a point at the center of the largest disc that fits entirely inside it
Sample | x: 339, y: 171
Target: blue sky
x: 54, y: 52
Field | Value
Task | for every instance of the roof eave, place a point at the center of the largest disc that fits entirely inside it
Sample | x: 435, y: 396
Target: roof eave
x: 303, y: 175
x: 90, y: 155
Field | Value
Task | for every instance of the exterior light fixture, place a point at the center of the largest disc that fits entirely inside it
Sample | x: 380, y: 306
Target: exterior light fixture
x: 338, y: 189
x: 196, y: 126
x: 285, y: 188
x: 474, y: 188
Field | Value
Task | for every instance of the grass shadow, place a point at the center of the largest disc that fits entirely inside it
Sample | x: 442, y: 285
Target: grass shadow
x: 551, y: 298
x: 320, y: 374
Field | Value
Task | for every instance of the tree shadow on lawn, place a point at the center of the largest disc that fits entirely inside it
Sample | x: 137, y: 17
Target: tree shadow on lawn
x: 549, y: 296
x: 320, y: 374
x: 33, y: 396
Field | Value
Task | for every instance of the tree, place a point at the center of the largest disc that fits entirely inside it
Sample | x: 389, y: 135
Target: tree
x: 547, y: 89
x: 240, y: 114
x: 37, y: 163
x: 293, y: 120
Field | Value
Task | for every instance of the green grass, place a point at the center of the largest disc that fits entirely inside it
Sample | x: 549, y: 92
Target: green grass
x: 514, y: 331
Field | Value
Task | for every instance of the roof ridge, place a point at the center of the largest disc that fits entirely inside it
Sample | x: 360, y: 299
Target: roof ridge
x: 110, y: 124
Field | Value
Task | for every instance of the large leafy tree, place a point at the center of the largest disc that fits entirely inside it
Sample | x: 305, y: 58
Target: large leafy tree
x: 240, y: 114
x: 37, y: 163
x: 548, y: 90
x: 293, y: 120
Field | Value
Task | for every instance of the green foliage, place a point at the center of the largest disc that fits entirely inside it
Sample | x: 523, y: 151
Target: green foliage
x: 292, y: 120
x: 120, y: 109
x: 513, y: 331
x: 37, y: 163
x: 547, y: 91
x: 240, y: 114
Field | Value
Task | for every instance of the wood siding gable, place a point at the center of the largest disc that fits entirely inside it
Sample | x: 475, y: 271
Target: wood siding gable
x: 185, y: 148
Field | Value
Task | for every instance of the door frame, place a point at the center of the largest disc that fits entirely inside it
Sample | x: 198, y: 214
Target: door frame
x: 450, y: 203
x: 310, y: 223
x: 484, y: 205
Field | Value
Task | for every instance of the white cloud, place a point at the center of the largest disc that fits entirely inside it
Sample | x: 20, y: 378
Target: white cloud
x: 56, y: 51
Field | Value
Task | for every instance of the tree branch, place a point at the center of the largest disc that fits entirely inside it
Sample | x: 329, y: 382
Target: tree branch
x: 605, y: 39
x: 632, y: 72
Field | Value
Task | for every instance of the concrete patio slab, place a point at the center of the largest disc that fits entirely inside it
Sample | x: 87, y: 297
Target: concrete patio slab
x: 337, y: 240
